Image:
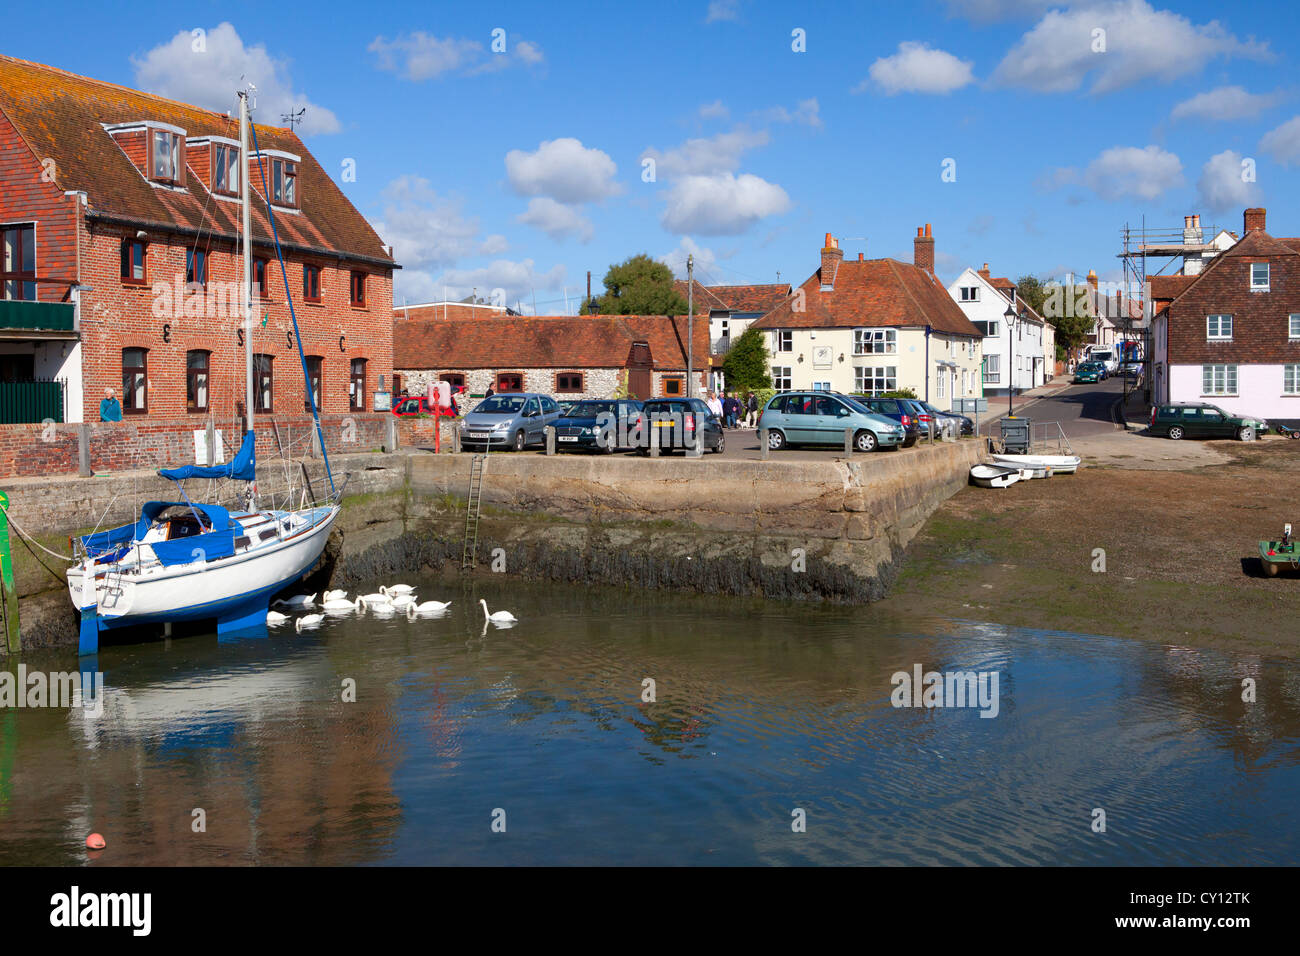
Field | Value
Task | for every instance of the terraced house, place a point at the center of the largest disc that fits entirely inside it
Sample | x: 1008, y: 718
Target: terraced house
x: 875, y: 325
x: 120, y: 217
x: 1230, y: 334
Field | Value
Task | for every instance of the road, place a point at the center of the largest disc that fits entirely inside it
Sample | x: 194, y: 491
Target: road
x: 1082, y: 410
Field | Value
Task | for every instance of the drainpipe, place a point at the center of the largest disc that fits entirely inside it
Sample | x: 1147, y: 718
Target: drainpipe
x: 927, y: 363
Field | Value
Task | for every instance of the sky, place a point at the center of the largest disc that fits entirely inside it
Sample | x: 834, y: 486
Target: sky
x: 515, y: 146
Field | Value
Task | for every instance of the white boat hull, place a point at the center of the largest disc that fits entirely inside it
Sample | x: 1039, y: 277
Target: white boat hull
x: 1059, y: 464
x: 994, y: 476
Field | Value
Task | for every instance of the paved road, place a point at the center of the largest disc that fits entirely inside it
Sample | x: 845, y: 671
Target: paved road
x: 1082, y: 410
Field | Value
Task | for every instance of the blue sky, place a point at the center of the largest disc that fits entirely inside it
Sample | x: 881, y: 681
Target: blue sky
x: 523, y: 169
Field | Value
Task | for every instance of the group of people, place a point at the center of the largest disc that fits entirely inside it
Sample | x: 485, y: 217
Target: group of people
x: 732, y: 408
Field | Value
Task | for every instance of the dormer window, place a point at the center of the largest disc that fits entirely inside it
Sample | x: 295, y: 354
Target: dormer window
x: 284, y: 182
x: 225, y: 169
x: 165, y: 156
x: 970, y: 293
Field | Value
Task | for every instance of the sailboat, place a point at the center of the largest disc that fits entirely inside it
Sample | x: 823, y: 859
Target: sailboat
x: 186, y: 561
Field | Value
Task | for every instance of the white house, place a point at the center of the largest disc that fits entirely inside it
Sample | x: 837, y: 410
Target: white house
x: 1020, y: 359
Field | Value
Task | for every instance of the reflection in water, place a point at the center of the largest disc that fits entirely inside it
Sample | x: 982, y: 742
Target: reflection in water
x: 759, y: 709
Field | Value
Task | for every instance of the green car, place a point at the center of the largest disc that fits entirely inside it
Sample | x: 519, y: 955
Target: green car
x: 1090, y: 372
x: 1199, y: 420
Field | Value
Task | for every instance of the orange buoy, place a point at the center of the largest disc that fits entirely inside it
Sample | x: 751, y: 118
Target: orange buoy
x: 95, y: 842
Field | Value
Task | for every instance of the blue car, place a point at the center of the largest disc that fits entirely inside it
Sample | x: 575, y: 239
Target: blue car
x: 821, y: 418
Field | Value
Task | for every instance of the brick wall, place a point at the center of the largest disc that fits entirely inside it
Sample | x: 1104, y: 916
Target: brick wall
x: 29, y: 193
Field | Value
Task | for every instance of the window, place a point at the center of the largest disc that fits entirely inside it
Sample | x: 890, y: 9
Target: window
x: 454, y: 379
x: 965, y: 381
x: 1294, y: 325
x: 989, y: 328
x: 784, y: 340
x: 263, y: 382
x: 314, y: 363
x: 259, y: 278
x: 196, y: 268
x: 724, y: 328
x: 875, y: 341
x: 19, y: 243
x: 1219, y: 379
x: 510, y: 382
x: 875, y: 380
x: 135, y: 381
x: 970, y: 293
x: 674, y: 385
x: 992, y: 369
x: 284, y: 182
x: 225, y: 169
x: 357, y: 386
x: 1291, y: 379
x: 196, y: 380
x: 311, y: 283
x: 357, y: 289
x: 781, y: 378
x: 1218, y: 327
x: 133, y: 262
x: 941, y: 382
x: 1259, y: 277
x: 821, y: 386
x: 165, y: 163
x: 569, y: 382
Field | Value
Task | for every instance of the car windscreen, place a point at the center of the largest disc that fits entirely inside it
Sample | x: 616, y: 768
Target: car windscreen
x: 500, y: 405
x: 591, y: 409
x: 859, y: 406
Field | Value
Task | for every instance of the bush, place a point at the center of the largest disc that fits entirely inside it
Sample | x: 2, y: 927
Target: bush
x: 900, y: 393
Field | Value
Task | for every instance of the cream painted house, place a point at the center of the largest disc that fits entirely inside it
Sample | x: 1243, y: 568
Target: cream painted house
x: 873, y: 326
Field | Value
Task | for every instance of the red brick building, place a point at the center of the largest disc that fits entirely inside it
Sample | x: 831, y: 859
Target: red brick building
x: 119, y: 224
x: 1230, y: 335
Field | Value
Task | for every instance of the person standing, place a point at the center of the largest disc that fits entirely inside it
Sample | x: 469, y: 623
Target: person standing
x: 110, y: 410
x: 751, y: 410
x: 714, y: 404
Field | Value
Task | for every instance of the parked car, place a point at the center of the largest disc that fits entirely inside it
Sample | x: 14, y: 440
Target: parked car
x: 1089, y: 372
x: 820, y: 418
x: 509, y: 420
x: 900, y: 410
x: 1131, y: 367
x: 679, y: 423
x: 599, y: 424
x: 961, y: 424
x: 1199, y: 420
x: 420, y: 406
x: 566, y: 403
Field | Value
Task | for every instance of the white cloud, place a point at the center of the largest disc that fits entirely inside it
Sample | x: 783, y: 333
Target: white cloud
x: 422, y: 56
x: 714, y: 110
x: 1126, y: 172
x: 520, y: 280
x: 806, y: 113
x: 723, y: 10
x: 705, y: 259
x: 556, y: 219
x: 713, y: 154
x: 918, y: 68
x: 428, y: 230
x: 1141, y: 43
x: 1224, y: 103
x: 210, y: 76
x: 1283, y: 143
x: 563, y: 169
x: 721, y: 204
x: 1221, y: 186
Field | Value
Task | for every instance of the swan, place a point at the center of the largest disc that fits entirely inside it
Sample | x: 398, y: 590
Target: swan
x: 397, y: 589
x: 338, y: 604
x: 413, y: 611
x: 431, y: 607
x: 499, y: 617
x: 298, y: 600
x: 400, y: 601
x: 373, y: 599
x: 337, y: 595
x: 308, y: 620
x: 275, y: 617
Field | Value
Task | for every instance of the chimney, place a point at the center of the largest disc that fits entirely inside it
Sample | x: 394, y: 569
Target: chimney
x: 859, y: 257
x: 985, y: 271
x: 831, y: 256
x: 1253, y: 219
x: 1092, y: 279
x: 923, y: 250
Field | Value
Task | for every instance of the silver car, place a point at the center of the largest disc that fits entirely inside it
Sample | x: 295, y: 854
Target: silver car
x: 509, y: 420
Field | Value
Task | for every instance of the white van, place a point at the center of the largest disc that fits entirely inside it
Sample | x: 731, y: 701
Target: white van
x: 1106, y: 356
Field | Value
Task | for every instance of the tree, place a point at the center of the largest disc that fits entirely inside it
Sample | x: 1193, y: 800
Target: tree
x: 641, y: 285
x: 1032, y: 290
x: 1069, y: 309
x: 746, y: 363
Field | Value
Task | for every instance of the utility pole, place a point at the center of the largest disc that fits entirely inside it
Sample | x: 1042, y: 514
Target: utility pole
x: 690, y: 323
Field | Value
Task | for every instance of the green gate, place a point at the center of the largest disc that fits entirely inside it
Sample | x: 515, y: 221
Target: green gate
x: 30, y: 402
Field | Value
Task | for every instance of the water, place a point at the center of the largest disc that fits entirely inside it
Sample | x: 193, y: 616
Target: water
x: 761, y: 709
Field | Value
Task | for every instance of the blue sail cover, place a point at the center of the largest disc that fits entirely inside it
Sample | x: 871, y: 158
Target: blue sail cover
x: 243, y: 467
x: 217, y: 542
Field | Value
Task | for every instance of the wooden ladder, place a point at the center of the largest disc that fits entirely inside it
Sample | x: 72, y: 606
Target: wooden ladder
x: 473, y: 510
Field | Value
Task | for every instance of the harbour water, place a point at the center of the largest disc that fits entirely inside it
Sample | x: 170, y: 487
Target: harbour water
x: 761, y: 710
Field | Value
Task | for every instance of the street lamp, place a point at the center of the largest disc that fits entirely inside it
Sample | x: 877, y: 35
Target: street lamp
x: 1010, y: 317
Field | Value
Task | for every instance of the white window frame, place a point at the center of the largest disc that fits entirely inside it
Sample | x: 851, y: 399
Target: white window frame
x: 172, y: 152
x: 1293, y: 327
x: 1291, y: 379
x: 1259, y: 286
x: 940, y: 389
x: 782, y: 376
x: 875, y: 341
x: 1219, y: 379
x: 969, y: 293
x: 875, y: 379
x: 1214, y: 327
x: 783, y: 340
x: 992, y: 369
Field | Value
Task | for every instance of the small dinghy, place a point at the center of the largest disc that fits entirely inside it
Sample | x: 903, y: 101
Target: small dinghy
x: 1060, y: 464
x: 994, y: 476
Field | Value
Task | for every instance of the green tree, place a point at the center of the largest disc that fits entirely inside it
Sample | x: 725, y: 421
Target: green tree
x: 746, y: 363
x: 641, y: 285
x: 1033, y: 291
x: 1071, y: 311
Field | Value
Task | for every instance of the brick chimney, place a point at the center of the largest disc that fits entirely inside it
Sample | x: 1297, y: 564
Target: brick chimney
x: 831, y: 256
x: 984, y: 273
x: 923, y: 249
x: 1092, y: 279
x: 1253, y: 219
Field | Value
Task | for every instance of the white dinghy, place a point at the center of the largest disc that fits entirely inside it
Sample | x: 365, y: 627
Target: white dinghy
x: 994, y: 476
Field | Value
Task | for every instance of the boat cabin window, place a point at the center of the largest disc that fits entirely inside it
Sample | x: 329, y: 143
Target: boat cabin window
x: 183, y: 526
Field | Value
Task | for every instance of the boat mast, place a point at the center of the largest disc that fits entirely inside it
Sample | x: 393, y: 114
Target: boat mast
x: 246, y: 233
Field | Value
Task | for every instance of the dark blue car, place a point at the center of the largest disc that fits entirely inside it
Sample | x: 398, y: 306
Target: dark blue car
x: 598, y: 424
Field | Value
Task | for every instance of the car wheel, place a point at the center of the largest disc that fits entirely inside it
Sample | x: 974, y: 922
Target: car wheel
x: 520, y: 440
x: 1175, y: 432
x: 722, y: 443
x: 865, y: 441
x: 1247, y: 433
x: 775, y: 440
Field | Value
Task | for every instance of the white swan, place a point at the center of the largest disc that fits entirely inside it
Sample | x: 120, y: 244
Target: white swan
x: 397, y: 589
x: 338, y: 604
x: 400, y: 601
x: 275, y: 617
x: 413, y: 611
x: 298, y: 600
x: 308, y: 620
x: 374, y: 599
x: 431, y: 607
x: 337, y: 595
x: 499, y: 617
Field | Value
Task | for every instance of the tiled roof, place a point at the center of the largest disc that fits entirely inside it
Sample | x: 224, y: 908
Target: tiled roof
x: 1164, y: 289
x: 1168, y: 288
x: 59, y: 115
x: 738, y: 298
x: 873, y: 292
x: 547, y: 341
